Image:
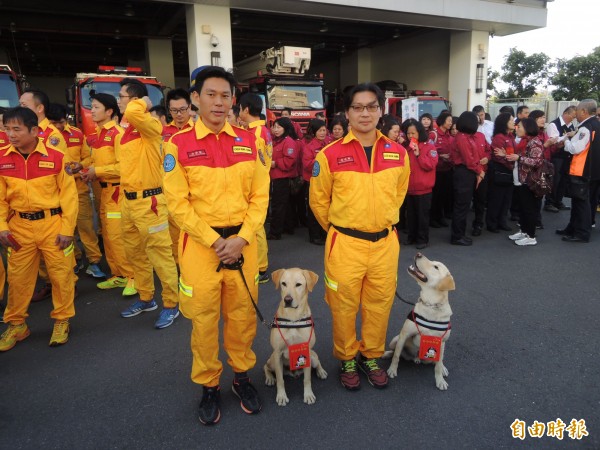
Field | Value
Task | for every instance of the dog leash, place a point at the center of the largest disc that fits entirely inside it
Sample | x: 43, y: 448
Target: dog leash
x: 401, y: 299
x: 238, y: 266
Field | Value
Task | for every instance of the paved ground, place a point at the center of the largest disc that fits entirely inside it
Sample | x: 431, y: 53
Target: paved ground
x: 524, y: 345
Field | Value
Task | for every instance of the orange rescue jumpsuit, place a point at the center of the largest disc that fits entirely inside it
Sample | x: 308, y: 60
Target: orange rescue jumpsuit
x: 39, y: 185
x: 145, y: 223
x: 348, y: 191
x: 105, y: 160
x: 265, y: 147
x: 85, y: 219
x: 216, y: 180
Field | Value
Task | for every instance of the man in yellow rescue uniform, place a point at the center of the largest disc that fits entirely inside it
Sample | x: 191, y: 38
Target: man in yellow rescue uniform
x: 218, y: 192
x: 39, y: 103
x: 75, y: 140
x: 250, y: 109
x: 178, y: 103
x: 144, y: 215
x: 38, y: 211
x: 357, y: 187
x: 104, y: 166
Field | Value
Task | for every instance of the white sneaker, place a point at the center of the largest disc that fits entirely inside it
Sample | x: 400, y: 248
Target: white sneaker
x: 526, y: 241
x: 517, y: 236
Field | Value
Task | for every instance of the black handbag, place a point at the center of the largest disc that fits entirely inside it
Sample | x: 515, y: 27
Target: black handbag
x: 578, y: 187
x: 502, y: 178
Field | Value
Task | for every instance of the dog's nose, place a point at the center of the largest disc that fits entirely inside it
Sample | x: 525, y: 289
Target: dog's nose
x: 419, y: 255
x: 288, y: 299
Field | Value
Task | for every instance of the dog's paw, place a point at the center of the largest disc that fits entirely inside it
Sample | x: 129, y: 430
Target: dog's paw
x: 445, y: 371
x: 392, y: 372
x: 282, y: 399
x: 442, y: 384
x: 309, y: 398
x: 321, y: 373
x: 269, y: 380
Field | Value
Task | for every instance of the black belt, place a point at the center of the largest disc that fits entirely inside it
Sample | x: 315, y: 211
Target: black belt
x: 145, y: 193
x: 38, y: 215
x: 373, y: 237
x: 227, y: 231
x: 105, y: 185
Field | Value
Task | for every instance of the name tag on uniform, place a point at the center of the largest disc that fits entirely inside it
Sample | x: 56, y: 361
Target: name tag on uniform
x: 242, y: 149
x: 46, y: 165
x: 108, y: 138
x: 73, y: 139
x: 345, y: 160
x: 7, y: 166
x: 197, y: 154
x: 391, y: 156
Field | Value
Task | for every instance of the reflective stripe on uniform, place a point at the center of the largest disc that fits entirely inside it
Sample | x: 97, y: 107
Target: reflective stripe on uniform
x: 256, y: 278
x: 113, y: 215
x: 156, y: 228
x: 330, y: 283
x: 185, y: 289
x: 67, y: 251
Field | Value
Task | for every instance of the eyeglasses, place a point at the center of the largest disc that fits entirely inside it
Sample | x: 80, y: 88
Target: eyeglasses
x: 361, y: 108
x: 124, y: 96
x: 179, y: 111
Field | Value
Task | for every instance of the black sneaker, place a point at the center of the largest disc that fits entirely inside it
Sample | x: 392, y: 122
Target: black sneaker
x: 263, y: 277
x: 248, y: 395
x: 208, y: 411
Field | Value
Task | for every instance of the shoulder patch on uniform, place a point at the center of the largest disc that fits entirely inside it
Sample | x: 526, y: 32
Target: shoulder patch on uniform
x: 433, y: 153
x: 54, y: 141
x: 169, y: 163
x: 316, y: 169
x: 262, y: 158
x: 290, y: 151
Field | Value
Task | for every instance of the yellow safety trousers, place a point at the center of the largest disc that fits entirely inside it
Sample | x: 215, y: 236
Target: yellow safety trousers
x: 110, y: 217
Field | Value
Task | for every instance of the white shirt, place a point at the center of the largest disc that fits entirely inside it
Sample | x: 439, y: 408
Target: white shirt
x: 551, y: 129
x: 580, y: 141
x: 487, y: 129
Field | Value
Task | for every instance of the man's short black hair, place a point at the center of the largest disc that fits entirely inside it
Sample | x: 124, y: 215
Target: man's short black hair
x: 108, y: 101
x: 467, y: 123
x: 253, y: 102
x: 2, y: 109
x: 530, y: 127
x: 20, y: 114
x: 40, y: 98
x: 178, y: 94
x: 160, y: 110
x: 288, y: 109
x: 477, y: 109
x: 56, y: 112
x: 508, y: 109
x: 236, y: 110
x: 134, y: 88
x: 364, y: 87
x: 521, y: 108
x: 213, y: 72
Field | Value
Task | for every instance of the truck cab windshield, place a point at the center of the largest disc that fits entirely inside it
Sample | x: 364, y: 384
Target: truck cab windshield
x: 154, y: 92
x: 294, y: 96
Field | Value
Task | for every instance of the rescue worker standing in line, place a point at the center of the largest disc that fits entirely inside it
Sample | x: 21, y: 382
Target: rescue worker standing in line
x: 39, y: 103
x: 218, y: 192
x: 357, y: 187
x: 144, y: 217
x: 38, y: 212
x: 75, y: 140
x: 250, y: 109
x: 104, y: 166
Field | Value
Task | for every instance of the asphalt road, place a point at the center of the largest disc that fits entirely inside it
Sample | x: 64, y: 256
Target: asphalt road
x: 523, y: 345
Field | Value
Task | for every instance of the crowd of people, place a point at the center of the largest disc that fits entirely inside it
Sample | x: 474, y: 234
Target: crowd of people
x: 190, y: 197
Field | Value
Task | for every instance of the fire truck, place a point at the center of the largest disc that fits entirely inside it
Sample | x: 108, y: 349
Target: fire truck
x: 405, y: 104
x: 105, y: 81
x: 11, y: 87
x: 279, y: 75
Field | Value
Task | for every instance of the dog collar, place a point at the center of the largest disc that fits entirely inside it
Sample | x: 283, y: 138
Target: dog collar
x: 431, y: 305
x: 430, y: 324
x: 286, y: 323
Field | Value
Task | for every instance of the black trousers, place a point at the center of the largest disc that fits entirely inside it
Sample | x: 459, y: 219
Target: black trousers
x: 559, y: 184
x: 314, y: 229
x: 280, y: 203
x: 594, y: 190
x: 580, y: 222
x: 479, y: 202
x: 498, y: 203
x: 530, y: 207
x: 417, y: 217
x: 464, y: 185
x: 441, y: 200
x: 299, y: 205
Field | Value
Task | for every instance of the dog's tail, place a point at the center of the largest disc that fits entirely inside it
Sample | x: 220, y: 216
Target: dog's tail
x: 387, y: 354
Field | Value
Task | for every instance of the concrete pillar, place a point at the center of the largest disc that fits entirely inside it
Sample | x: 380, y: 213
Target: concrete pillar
x: 206, y: 22
x: 356, y: 67
x: 364, y: 65
x: 468, y: 49
x: 159, y: 53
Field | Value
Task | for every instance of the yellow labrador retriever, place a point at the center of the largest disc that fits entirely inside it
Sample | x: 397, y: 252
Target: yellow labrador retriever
x: 430, y: 317
x: 293, y: 325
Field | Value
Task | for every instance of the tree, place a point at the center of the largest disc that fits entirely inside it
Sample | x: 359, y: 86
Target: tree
x: 524, y: 74
x: 578, y: 78
x: 492, y: 77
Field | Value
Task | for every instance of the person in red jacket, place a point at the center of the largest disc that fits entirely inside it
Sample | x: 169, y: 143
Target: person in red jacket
x: 283, y: 168
x: 423, y: 161
x: 441, y: 199
x: 314, y: 140
x: 468, y: 173
x: 480, y: 192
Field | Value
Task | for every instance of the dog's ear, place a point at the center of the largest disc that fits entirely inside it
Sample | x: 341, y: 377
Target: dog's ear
x: 311, y: 279
x: 447, y: 283
x: 276, y: 276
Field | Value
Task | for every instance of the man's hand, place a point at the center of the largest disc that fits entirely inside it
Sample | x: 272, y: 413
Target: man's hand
x: 89, y: 175
x: 73, y: 167
x: 229, y: 250
x: 483, y: 161
x: 63, y: 241
x: 148, y: 102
